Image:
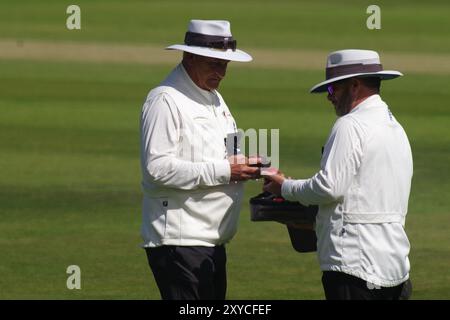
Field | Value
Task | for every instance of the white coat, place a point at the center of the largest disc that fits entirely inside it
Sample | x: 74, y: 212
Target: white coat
x: 188, y: 199
x: 362, y: 191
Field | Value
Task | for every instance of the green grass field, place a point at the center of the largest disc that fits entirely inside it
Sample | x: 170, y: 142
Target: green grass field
x: 69, y: 140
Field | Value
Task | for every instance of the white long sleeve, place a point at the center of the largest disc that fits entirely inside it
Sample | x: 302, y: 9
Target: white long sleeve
x: 340, y: 162
x: 161, y: 134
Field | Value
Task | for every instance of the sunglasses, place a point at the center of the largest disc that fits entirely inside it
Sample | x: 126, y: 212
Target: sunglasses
x: 330, y: 89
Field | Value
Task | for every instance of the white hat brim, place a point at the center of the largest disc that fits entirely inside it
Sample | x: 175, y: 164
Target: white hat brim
x: 237, y: 55
x: 384, y: 75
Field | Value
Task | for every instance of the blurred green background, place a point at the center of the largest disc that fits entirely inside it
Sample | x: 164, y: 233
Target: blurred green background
x: 69, y: 134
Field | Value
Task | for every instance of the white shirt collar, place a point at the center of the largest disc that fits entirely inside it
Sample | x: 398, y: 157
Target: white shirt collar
x: 367, y: 102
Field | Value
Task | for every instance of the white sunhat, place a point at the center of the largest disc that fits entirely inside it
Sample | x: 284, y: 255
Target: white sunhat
x: 211, y: 38
x: 351, y: 63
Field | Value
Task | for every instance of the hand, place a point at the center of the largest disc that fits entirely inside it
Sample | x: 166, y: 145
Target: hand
x: 272, y: 183
x: 240, y: 169
x: 254, y: 161
x: 258, y: 161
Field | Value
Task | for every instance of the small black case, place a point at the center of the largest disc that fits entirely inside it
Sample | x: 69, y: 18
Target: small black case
x: 299, y: 219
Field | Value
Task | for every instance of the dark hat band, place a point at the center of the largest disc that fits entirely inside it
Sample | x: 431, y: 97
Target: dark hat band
x: 343, y: 70
x: 208, y: 41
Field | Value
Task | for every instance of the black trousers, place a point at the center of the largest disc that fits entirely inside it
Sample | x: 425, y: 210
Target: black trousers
x: 342, y: 286
x: 189, y: 273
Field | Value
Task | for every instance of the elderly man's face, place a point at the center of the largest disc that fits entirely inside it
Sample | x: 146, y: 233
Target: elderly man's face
x: 341, y: 97
x: 207, y: 72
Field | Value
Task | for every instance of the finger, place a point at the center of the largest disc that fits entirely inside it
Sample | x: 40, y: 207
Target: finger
x: 254, y: 160
x: 251, y: 170
x: 270, y: 171
x: 254, y: 175
x: 269, y: 177
x: 238, y: 159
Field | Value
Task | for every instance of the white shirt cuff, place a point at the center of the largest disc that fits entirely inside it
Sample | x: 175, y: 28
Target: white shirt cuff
x: 222, y: 171
x: 287, y: 189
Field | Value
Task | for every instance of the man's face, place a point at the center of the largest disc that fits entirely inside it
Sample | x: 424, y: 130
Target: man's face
x: 340, y: 95
x: 207, y: 72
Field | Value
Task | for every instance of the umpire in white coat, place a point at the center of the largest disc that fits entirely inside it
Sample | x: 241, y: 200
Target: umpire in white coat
x: 363, y: 186
x: 192, y: 186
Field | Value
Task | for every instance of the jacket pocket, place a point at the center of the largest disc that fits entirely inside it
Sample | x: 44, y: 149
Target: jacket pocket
x: 172, y: 229
x: 351, y: 249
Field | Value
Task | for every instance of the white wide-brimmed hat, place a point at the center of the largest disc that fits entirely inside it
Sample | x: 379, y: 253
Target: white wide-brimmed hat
x: 211, y: 38
x: 351, y: 63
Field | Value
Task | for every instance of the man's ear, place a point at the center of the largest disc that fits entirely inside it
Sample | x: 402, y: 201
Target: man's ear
x: 355, y: 85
